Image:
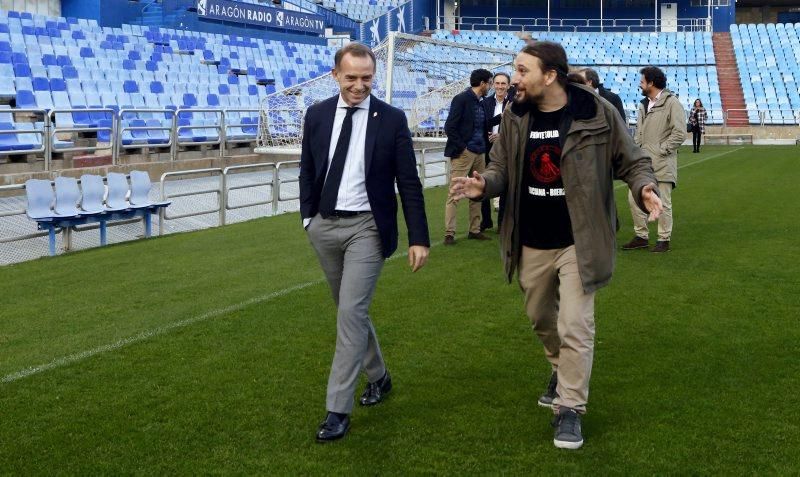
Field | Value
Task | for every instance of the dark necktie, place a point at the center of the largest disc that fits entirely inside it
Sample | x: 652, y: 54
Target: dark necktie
x: 330, y: 191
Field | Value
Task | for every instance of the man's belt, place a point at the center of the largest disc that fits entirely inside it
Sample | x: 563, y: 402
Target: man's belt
x: 348, y: 213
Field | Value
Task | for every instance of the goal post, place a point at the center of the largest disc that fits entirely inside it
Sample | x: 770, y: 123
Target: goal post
x: 417, y: 74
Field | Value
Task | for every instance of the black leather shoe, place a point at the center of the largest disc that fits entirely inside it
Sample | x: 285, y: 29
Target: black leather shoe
x: 478, y: 236
x: 377, y: 391
x: 333, y: 427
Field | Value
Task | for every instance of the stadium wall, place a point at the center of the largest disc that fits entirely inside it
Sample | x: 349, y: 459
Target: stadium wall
x: 113, y: 13
x: 50, y: 8
x: 723, y: 17
x: 766, y: 14
x: 407, y: 18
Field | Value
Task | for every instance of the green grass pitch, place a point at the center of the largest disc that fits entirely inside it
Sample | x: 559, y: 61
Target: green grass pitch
x: 208, y: 352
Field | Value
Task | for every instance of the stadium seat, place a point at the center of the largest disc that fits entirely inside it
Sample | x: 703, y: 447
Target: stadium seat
x: 67, y: 197
x: 140, y: 190
x: 40, y: 197
x: 117, y: 191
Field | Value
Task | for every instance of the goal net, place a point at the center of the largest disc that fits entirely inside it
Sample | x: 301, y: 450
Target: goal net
x: 417, y: 74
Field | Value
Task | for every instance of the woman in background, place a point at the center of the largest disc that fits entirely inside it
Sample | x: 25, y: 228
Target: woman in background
x: 697, y: 119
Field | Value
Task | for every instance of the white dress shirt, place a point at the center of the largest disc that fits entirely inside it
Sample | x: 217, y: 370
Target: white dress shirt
x: 653, y: 101
x: 498, y: 109
x: 353, y: 188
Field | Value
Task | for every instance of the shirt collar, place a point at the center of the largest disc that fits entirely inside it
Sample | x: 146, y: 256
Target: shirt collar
x: 658, y: 96
x: 362, y: 105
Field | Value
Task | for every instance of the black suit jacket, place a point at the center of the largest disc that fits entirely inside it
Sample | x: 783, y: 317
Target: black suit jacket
x: 491, y: 120
x: 613, y: 98
x: 460, y: 123
x: 389, y: 157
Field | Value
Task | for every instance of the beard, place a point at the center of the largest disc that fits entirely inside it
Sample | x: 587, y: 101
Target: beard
x: 644, y: 93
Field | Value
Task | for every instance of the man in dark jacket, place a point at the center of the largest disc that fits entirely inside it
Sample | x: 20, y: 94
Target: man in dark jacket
x: 356, y: 149
x: 559, y: 145
x: 593, y: 81
x: 466, y: 145
x: 494, y: 106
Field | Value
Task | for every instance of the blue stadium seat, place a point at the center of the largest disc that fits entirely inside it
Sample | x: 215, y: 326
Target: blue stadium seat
x: 157, y: 136
x: 140, y: 190
x: 25, y: 99
x: 117, y: 191
x: 67, y: 197
x: 92, y: 193
x: 130, y: 86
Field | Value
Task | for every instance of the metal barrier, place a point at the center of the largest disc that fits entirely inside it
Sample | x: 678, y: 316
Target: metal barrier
x: 278, y: 181
x: 220, y: 127
x: 43, y: 134
x: 72, y: 129
x: 163, y: 216
x: 228, y: 188
x: 423, y: 175
x: 233, y: 140
x: 136, y: 111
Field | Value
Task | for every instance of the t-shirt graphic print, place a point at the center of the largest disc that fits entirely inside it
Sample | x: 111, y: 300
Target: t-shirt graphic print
x: 544, y: 217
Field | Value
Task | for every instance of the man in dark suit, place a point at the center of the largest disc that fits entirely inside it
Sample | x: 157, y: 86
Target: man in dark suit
x: 593, y: 81
x: 494, y: 106
x: 466, y: 145
x: 355, y: 147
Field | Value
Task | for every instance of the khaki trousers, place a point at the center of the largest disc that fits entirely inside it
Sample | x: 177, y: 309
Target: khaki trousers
x: 664, y: 220
x: 462, y: 166
x: 562, y: 315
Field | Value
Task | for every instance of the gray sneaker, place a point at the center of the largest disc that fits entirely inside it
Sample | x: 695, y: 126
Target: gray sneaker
x: 568, y: 429
x: 546, y: 399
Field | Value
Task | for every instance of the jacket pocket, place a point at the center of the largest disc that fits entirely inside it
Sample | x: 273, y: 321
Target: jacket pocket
x: 594, y: 140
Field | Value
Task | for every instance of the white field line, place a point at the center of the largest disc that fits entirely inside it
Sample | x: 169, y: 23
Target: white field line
x: 161, y: 330
x: 145, y: 335
x: 619, y: 186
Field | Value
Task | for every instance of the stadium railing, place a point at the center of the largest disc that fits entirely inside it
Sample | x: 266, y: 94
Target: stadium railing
x: 574, y: 25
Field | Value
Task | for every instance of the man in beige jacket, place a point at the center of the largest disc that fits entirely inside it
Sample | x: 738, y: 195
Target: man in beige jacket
x: 559, y: 147
x: 660, y: 130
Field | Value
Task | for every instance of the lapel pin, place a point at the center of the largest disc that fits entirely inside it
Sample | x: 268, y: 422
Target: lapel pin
x: 375, y: 114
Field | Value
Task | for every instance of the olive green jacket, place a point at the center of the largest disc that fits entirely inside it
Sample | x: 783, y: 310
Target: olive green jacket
x: 596, y: 147
x: 660, y: 132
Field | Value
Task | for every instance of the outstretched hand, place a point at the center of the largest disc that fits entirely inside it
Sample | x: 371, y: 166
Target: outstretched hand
x: 651, y: 202
x: 469, y: 187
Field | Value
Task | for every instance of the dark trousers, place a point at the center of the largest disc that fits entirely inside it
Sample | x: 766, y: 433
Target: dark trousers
x: 696, y: 136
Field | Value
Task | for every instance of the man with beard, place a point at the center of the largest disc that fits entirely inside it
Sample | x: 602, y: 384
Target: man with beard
x: 560, y: 147
x: 660, y: 130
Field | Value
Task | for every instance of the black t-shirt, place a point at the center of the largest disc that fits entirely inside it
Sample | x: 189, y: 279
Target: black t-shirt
x: 544, y: 218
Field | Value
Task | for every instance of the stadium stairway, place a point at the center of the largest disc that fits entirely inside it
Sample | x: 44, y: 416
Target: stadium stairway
x: 730, y: 85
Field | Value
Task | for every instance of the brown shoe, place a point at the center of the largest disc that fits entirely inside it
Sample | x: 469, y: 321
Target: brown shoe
x: 661, y: 246
x: 477, y: 236
x: 449, y: 240
x: 636, y: 242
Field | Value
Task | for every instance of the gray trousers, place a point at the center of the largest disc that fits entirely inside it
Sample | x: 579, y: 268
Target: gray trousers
x: 349, y: 250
